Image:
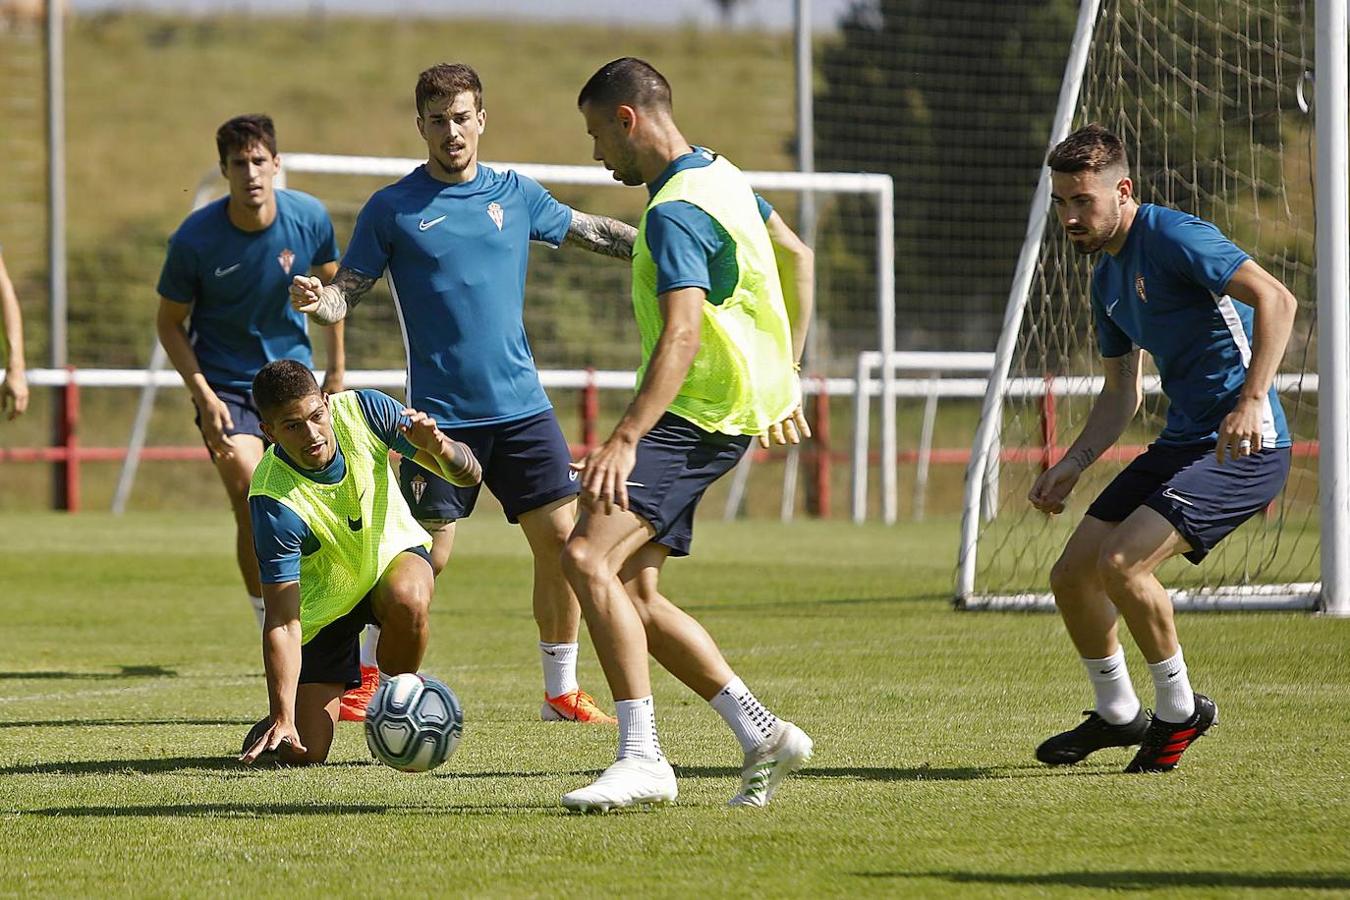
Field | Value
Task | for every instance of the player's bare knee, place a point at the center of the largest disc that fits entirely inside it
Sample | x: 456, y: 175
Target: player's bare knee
x: 584, y: 564
x: 1116, y: 567
x: 1070, y: 576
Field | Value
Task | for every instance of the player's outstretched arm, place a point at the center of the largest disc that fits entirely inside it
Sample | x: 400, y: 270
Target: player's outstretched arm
x: 281, y: 659
x: 14, y: 388
x: 439, y: 454
x: 601, y: 234
x: 329, y: 303
x: 1111, y: 413
x: 1275, y: 306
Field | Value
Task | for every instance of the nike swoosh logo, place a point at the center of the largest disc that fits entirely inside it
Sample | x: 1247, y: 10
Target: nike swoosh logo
x: 1114, y: 304
x: 1106, y: 671
x: 354, y: 524
x: 1170, y: 494
x: 221, y: 273
x: 572, y: 475
x: 423, y: 224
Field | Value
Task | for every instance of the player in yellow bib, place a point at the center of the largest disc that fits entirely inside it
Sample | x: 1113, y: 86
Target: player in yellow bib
x: 338, y: 549
x: 721, y: 338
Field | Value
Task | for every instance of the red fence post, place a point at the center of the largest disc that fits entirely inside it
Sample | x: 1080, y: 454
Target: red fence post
x: 68, y: 472
x: 590, y: 410
x: 822, y: 467
x: 1048, y: 425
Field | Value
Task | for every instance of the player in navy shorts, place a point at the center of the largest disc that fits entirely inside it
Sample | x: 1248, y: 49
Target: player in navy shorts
x: 224, y: 309
x: 1216, y: 325
x: 453, y: 237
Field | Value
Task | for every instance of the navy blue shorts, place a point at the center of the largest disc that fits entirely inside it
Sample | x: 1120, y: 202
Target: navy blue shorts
x: 526, y: 465
x: 246, y: 418
x: 333, y: 656
x: 1203, y: 500
x: 676, y: 461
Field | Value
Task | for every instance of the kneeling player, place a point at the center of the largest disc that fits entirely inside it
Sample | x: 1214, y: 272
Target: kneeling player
x: 1216, y: 324
x: 337, y: 547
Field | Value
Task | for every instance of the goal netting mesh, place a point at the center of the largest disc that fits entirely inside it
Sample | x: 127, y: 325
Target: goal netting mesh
x: 1209, y: 96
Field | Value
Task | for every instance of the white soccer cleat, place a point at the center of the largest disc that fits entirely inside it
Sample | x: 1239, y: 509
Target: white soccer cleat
x: 786, y: 751
x: 631, y: 781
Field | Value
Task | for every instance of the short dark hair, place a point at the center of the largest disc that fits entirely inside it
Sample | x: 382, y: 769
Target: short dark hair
x: 627, y: 82
x: 243, y: 132
x: 281, y: 382
x: 446, y: 81
x: 1091, y: 148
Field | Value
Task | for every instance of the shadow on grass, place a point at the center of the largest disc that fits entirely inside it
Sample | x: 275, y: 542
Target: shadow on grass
x: 1139, y: 879
x: 806, y: 604
x: 257, y: 810
x: 119, y: 723
x: 146, y: 766
x: 919, y: 773
x: 123, y: 672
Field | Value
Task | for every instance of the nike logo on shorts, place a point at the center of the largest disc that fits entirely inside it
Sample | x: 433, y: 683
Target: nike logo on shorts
x: 1171, y: 494
x: 423, y: 224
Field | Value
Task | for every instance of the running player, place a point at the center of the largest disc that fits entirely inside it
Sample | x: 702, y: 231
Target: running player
x: 454, y: 236
x: 14, y: 388
x: 1216, y: 324
x: 720, y: 346
x: 338, y: 548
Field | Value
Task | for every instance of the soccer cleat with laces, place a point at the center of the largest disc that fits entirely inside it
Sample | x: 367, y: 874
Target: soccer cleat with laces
x: 784, y: 752
x: 1094, y: 733
x: 574, y: 706
x: 354, y: 701
x: 631, y: 781
x: 1165, y: 741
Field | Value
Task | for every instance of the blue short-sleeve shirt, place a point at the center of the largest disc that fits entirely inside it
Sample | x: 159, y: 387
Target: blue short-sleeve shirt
x: 1164, y: 292
x: 238, y: 283
x: 456, y: 258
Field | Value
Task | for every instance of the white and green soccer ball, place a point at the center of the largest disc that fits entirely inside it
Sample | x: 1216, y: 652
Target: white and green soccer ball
x: 413, y: 723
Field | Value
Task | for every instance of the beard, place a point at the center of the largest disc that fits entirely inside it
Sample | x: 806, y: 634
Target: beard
x: 1098, y: 238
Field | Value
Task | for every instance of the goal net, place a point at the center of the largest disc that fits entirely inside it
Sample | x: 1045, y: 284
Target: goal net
x: 1211, y: 98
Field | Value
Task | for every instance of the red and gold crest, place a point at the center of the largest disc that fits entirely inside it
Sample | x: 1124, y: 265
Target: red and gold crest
x: 286, y: 258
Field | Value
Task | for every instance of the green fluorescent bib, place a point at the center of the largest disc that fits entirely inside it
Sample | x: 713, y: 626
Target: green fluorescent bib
x: 361, y: 523
x: 742, y: 379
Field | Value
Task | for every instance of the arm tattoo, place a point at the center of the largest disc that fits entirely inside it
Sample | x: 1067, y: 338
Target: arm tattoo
x: 600, y: 234
x: 462, y: 465
x: 341, y: 295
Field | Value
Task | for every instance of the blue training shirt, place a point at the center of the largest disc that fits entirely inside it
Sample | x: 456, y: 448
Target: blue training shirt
x: 1164, y: 292
x: 280, y: 536
x: 238, y: 283
x: 456, y: 256
x: 689, y: 247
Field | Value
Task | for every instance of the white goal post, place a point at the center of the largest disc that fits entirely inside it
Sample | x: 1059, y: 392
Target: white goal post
x: 878, y: 187
x: 1329, y: 383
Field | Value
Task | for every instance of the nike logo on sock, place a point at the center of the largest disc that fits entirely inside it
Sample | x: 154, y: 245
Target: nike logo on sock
x: 1106, y: 671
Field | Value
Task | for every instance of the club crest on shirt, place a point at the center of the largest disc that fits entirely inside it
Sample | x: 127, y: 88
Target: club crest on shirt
x: 419, y: 487
x: 1139, y: 287
x: 286, y: 258
x: 494, y: 211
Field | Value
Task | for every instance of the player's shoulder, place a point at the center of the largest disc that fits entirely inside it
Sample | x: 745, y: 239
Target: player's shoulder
x: 298, y: 203
x: 1172, y: 224
x: 203, y: 225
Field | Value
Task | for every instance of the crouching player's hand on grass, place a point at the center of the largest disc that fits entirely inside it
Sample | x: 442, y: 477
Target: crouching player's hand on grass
x: 279, y: 733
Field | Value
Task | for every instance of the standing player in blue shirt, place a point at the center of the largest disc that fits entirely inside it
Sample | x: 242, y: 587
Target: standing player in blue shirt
x: 224, y: 312
x: 454, y: 237
x: 1216, y: 325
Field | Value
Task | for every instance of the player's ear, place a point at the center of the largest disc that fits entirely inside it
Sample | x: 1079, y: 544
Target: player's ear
x: 267, y: 431
x: 1125, y: 188
x: 482, y: 121
x: 627, y: 117
x: 421, y: 128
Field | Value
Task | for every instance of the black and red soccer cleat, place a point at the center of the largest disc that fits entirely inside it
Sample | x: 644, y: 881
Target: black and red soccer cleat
x: 1164, y: 742
x: 1094, y: 733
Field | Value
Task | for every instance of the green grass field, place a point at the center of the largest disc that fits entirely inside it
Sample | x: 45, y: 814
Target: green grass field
x: 131, y: 671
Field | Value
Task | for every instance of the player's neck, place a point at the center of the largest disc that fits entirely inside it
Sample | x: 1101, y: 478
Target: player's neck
x: 252, y: 218
x: 463, y: 176
x: 1117, y: 242
x: 668, y: 146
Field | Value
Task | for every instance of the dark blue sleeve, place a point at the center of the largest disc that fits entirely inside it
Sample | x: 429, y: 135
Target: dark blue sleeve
x: 682, y: 239
x: 278, y: 534
x: 383, y: 415
x: 368, y: 253
x: 549, y: 219
x: 765, y: 209
x: 1194, y: 249
x: 1111, y: 341
x: 178, y: 279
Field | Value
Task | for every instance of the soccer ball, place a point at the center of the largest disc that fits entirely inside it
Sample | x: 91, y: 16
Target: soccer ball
x: 413, y: 723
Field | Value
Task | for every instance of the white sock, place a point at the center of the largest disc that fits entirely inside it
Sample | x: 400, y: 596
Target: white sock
x: 637, y: 729
x: 1116, y: 700
x: 259, y: 610
x: 1175, y: 700
x: 560, y: 668
x: 370, y: 640
x: 748, y: 718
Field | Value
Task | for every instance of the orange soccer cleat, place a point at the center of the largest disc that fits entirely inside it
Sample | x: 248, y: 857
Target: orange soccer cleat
x: 354, y: 701
x: 574, y: 706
